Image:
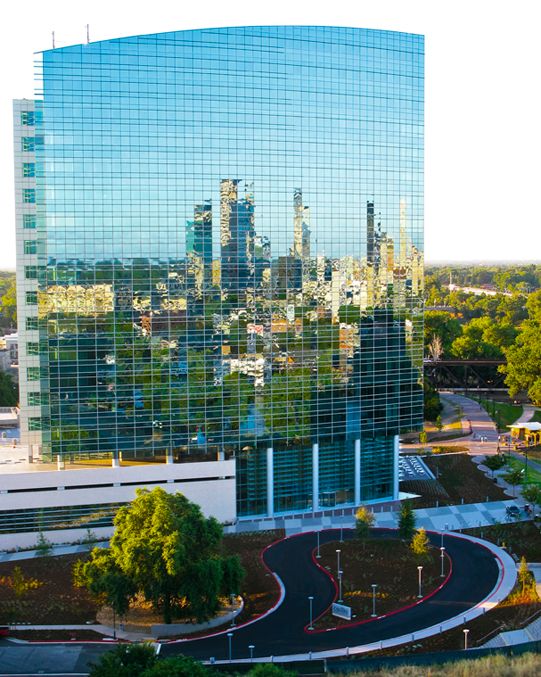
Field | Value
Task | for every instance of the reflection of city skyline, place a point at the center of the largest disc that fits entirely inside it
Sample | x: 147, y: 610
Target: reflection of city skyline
x: 245, y: 259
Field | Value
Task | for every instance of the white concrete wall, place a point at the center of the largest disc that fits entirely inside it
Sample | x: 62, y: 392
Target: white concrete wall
x: 214, y: 492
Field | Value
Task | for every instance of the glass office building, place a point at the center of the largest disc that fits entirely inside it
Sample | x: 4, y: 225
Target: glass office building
x: 227, y: 256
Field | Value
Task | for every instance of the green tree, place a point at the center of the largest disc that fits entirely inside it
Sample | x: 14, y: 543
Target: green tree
x: 433, y: 405
x: 9, y: 394
x: 479, y: 339
x: 523, y: 368
x: 532, y: 493
x: 171, y: 554
x: 125, y: 660
x: 19, y: 583
x: 406, y: 521
x: 364, y: 521
x: 179, y: 666
x: 104, y: 579
x: 44, y: 547
x: 526, y: 582
x: 420, y: 545
x: 494, y: 462
x: 8, y: 304
x: 443, y: 325
x: 514, y: 478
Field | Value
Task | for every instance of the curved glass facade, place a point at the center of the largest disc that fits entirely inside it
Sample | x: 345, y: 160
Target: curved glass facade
x: 229, y: 258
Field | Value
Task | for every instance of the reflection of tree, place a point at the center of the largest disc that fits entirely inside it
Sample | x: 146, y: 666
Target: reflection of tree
x: 287, y: 404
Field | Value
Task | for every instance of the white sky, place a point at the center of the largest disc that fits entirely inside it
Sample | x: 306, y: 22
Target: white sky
x: 483, y: 94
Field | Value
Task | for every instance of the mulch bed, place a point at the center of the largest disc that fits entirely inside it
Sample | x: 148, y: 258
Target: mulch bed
x: 259, y: 589
x: 519, y: 538
x: 458, y: 479
x: 390, y: 564
x: 56, y: 601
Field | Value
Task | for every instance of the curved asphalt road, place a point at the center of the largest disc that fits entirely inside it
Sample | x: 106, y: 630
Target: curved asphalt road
x: 475, y: 574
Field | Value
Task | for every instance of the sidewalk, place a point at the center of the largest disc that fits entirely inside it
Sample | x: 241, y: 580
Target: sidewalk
x: 474, y: 417
x: 444, y: 518
x: 528, y: 412
x: 105, y: 630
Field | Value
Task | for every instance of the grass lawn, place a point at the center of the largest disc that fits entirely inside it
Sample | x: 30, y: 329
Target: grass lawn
x: 502, y: 413
x: 536, y: 417
x: 533, y: 475
x: 387, y: 562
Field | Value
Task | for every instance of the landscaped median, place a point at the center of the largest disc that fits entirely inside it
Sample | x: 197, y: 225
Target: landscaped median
x: 390, y: 565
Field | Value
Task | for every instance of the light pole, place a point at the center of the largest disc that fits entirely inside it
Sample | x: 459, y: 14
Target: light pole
x: 251, y: 647
x: 318, y: 555
x: 441, y: 543
x: 341, y: 534
x: 374, y: 586
x: 338, y: 560
x: 311, y: 600
x: 340, y: 586
x: 465, y: 631
x: 442, y: 555
x: 229, y: 637
x: 420, y: 570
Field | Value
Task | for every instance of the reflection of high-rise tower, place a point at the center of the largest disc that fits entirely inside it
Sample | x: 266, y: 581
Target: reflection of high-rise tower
x: 237, y: 235
x: 370, y: 234
x: 199, y: 244
x: 403, y: 254
x: 301, y: 227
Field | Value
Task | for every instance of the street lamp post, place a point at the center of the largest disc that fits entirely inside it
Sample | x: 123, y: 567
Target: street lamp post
x: 318, y: 556
x: 251, y: 647
x: 338, y: 560
x: 311, y: 600
x: 420, y: 570
x: 374, y: 586
x: 442, y: 555
x: 340, y: 586
x: 465, y: 631
x: 229, y: 637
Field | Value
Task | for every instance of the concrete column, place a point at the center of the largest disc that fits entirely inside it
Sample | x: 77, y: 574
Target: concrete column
x: 315, y: 477
x: 357, y: 483
x: 270, y: 482
x: 115, y: 462
x: 168, y: 456
x: 59, y: 463
x: 396, y: 451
